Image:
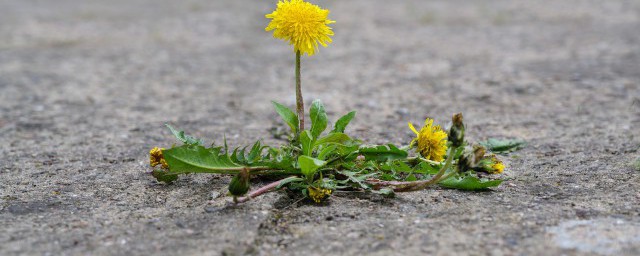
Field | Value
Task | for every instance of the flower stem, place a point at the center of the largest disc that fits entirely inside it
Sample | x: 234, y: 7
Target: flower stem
x: 406, y: 186
x: 299, y: 100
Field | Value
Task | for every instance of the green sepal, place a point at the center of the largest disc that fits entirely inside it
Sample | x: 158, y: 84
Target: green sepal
x: 239, y: 184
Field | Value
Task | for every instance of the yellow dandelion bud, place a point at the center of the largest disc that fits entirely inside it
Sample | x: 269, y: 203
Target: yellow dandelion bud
x: 431, y: 141
x: 302, y: 24
x: 318, y: 194
x: 156, y: 158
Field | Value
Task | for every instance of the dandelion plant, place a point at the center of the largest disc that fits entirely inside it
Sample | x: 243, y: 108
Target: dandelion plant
x: 320, y: 160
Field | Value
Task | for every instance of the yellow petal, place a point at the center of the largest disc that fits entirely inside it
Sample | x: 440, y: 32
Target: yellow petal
x: 413, y: 128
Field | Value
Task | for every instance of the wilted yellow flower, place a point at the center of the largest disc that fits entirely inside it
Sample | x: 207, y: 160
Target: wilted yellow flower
x: 489, y: 164
x: 302, y: 24
x: 496, y: 165
x: 318, y: 194
x: 156, y: 157
x: 431, y: 141
x: 497, y: 168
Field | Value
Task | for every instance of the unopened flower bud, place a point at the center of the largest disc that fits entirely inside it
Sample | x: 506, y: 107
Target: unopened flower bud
x: 478, y: 153
x: 471, y: 158
x: 456, y: 132
x: 239, y: 185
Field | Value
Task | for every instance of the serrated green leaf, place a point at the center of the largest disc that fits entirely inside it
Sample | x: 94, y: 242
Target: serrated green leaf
x: 333, y: 138
x: 306, y: 142
x: 288, y: 180
x: 186, y: 139
x: 503, y: 145
x: 358, y: 178
x: 163, y: 176
x: 426, y: 168
x: 255, y: 151
x: 288, y: 116
x: 386, y: 192
x: 309, y: 165
x: 240, y: 157
x: 469, y: 183
x: 397, y: 166
x: 226, y: 147
x: 338, y: 150
x: 198, y: 159
x: 326, y: 151
x: 343, y: 121
x: 388, y: 176
x: 318, y: 118
x: 382, y: 152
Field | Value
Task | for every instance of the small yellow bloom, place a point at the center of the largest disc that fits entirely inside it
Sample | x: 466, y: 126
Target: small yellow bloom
x: 431, y: 141
x: 497, y: 166
x: 302, y: 24
x: 156, y: 157
x: 490, y: 164
x: 318, y: 194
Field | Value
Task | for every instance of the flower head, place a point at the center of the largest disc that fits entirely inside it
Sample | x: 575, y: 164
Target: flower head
x: 302, y: 24
x: 492, y: 165
x: 156, y: 157
x: 318, y: 194
x: 431, y: 141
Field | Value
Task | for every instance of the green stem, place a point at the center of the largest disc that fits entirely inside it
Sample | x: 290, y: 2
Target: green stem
x: 405, y: 186
x: 429, y: 161
x: 299, y: 100
x: 449, y: 175
x: 436, y: 179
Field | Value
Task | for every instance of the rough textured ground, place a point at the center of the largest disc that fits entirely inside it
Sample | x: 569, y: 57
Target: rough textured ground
x: 85, y: 87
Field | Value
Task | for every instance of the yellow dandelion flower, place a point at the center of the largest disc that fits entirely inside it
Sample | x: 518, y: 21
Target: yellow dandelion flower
x: 156, y: 158
x: 431, y: 141
x: 318, y: 194
x: 302, y: 24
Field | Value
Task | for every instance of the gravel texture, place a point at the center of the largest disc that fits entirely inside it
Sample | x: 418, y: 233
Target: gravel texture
x: 86, y: 86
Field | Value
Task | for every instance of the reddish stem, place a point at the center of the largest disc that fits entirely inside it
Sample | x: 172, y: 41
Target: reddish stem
x: 263, y: 190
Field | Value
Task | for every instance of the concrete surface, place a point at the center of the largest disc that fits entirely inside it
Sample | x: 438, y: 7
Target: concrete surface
x: 85, y: 87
